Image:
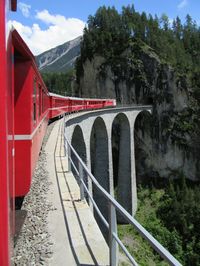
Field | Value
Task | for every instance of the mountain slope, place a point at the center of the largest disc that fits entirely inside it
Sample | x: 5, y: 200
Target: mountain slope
x: 60, y: 58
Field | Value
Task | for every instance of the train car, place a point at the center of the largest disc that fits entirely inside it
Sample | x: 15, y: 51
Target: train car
x: 60, y: 105
x: 76, y: 104
x: 91, y: 104
x: 99, y: 103
x: 110, y: 103
x: 24, y: 104
x: 31, y: 114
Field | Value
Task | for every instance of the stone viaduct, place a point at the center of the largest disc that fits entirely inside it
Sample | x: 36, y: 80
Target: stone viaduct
x: 91, y: 135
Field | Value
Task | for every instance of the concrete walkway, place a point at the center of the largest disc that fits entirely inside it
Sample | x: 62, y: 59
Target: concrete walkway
x: 75, y: 233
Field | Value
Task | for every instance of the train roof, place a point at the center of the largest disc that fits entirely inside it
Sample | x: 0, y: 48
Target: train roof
x: 76, y: 98
x: 22, y: 49
x: 21, y: 46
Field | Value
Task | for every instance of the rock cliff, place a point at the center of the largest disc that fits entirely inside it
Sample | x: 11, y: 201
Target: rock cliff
x: 167, y: 143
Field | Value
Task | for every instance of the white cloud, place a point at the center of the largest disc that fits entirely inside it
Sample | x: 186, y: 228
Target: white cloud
x: 47, y: 18
x: 25, y: 9
x: 59, y: 30
x: 182, y: 4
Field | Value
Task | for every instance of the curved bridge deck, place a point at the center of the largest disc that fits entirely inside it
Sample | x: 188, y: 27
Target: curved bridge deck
x: 76, y: 236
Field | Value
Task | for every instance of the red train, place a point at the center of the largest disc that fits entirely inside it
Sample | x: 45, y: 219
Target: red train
x: 25, y: 109
x: 60, y: 104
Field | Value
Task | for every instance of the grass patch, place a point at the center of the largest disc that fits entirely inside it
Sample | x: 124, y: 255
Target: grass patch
x: 148, y: 203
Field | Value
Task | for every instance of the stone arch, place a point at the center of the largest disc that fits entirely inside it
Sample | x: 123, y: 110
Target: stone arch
x: 78, y: 143
x: 100, y: 164
x: 143, y: 145
x: 121, y: 141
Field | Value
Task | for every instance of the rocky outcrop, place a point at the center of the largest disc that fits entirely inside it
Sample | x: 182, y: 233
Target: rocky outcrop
x: 92, y: 83
x: 61, y: 58
x: 166, y: 144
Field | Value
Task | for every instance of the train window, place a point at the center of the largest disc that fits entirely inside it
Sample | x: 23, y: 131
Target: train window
x: 40, y: 104
x: 34, y: 99
x: 42, y: 101
x: 13, y: 5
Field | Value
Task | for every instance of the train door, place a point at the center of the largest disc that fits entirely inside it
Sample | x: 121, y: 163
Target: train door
x: 23, y: 116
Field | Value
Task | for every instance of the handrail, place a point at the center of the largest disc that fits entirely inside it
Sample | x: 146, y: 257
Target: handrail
x: 113, y: 206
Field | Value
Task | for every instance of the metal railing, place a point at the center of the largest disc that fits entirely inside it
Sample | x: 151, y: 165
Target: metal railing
x: 113, y: 205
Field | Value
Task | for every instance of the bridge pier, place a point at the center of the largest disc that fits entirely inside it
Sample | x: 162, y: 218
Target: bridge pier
x: 110, y: 158
x: 88, y: 163
x: 133, y: 173
x: 100, y: 167
x: 124, y: 191
x: 79, y: 145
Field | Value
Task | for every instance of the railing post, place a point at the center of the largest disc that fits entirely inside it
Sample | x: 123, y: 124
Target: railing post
x: 80, y: 168
x: 113, y: 246
x: 65, y: 142
x: 69, y: 157
x: 65, y: 152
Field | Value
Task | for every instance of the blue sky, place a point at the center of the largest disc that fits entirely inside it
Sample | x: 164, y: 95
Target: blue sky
x: 45, y: 24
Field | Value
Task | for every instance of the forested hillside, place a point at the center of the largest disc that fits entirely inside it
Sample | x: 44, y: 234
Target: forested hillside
x: 141, y: 59
x: 60, y: 83
x: 110, y: 33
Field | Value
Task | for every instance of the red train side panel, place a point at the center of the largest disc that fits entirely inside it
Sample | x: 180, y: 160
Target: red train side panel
x: 31, y: 114
x: 58, y: 105
x: 6, y: 143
